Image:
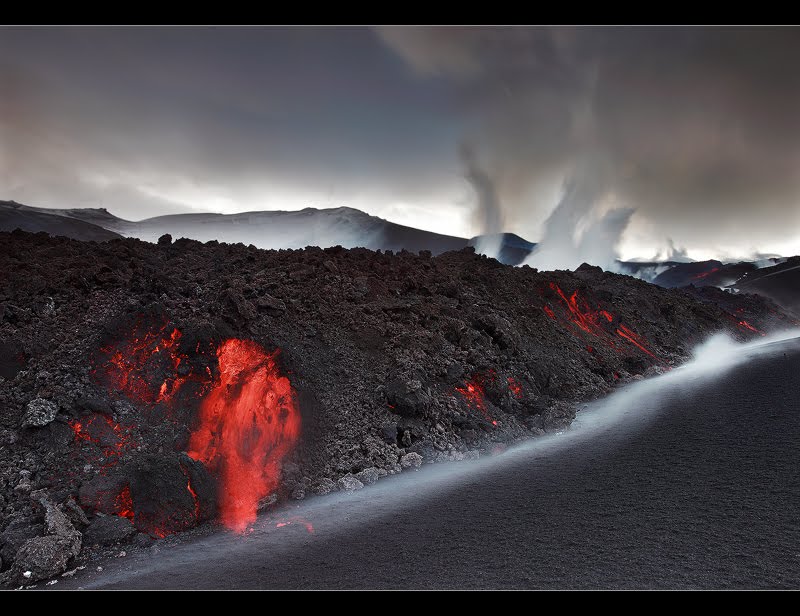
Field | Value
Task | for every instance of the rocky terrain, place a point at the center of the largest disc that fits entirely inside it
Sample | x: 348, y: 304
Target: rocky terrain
x: 147, y: 388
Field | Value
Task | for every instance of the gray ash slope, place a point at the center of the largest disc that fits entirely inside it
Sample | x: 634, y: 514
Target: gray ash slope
x: 376, y: 345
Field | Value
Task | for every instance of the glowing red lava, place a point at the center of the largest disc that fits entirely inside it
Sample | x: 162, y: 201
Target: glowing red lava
x: 248, y: 422
x: 633, y: 339
x: 131, y: 367
x: 475, y: 396
x: 745, y: 325
x: 124, y: 503
x: 112, y: 438
x: 195, y: 498
x: 596, y: 322
x: 702, y: 275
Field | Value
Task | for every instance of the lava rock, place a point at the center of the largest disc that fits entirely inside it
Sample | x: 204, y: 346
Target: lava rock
x: 44, y: 557
x: 103, y: 493
x: 165, y: 240
x: 271, y: 305
x: 39, y: 412
x: 18, y: 531
x: 204, y: 486
x: 389, y: 433
x: 107, y: 530
x: 368, y: 475
x: 324, y: 486
x: 162, y: 501
x: 75, y: 513
x: 56, y: 522
x: 349, y: 483
x: 411, y: 460
x: 408, y: 397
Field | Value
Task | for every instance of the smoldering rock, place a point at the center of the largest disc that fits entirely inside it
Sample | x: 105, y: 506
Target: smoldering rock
x: 108, y: 530
x: 268, y: 501
x: 75, y: 513
x: 103, y: 493
x: 159, y: 488
x: 39, y: 412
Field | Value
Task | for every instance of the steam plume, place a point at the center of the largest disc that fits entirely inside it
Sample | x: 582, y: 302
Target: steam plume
x: 576, y: 233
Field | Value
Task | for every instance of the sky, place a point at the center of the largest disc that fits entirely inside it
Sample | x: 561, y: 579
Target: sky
x: 692, y: 133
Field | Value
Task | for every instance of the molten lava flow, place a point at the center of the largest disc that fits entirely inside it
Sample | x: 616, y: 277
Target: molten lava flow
x: 549, y: 312
x: 248, y: 422
x: 705, y: 274
x: 514, y: 387
x: 124, y: 503
x: 744, y: 324
x: 580, y: 312
x: 195, y: 498
x: 596, y: 322
x: 633, y: 338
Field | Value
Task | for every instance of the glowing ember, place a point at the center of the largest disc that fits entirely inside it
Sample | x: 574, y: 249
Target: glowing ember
x: 549, y: 312
x: 596, y: 322
x: 514, y: 387
x: 744, y: 324
x: 297, y: 520
x: 248, y: 422
x: 196, y: 500
x: 136, y: 367
x: 112, y: 438
x: 580, y: 313
x: 124, y: 503
x: 633, y: 339
x: 474, y: 395
x: 705, y: 274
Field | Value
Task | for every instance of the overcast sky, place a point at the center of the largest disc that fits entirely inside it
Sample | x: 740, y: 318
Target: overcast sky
x: 696, y: 129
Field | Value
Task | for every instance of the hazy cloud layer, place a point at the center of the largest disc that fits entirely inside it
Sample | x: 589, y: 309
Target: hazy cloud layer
x: 695, y: 129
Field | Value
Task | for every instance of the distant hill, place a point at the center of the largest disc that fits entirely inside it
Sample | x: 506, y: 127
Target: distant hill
x: 14, y: 215
x: 344, y: 226
x: 780, y: 282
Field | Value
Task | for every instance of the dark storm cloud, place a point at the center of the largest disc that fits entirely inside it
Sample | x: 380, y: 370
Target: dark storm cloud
x: 697, y: 128
x: 144, y: 119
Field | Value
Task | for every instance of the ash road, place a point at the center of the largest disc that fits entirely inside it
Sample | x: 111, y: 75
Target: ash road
x: 684, y: 481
